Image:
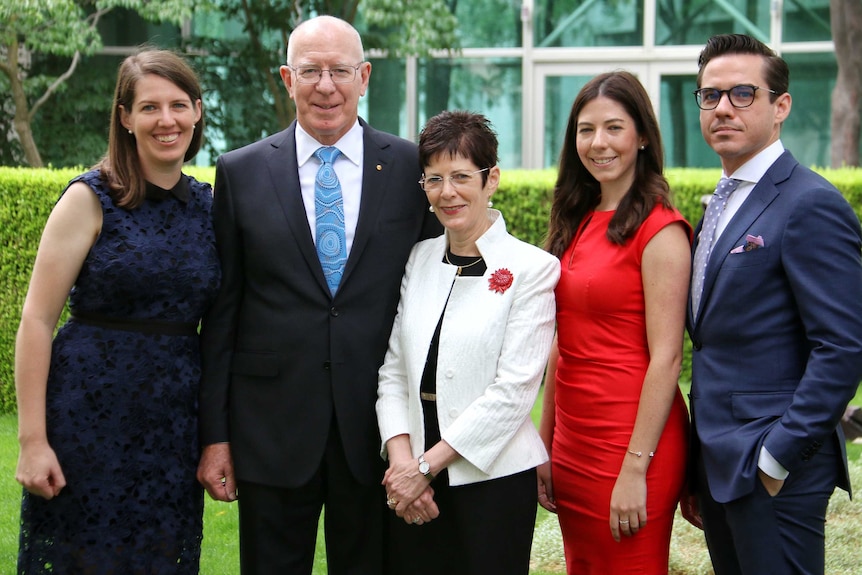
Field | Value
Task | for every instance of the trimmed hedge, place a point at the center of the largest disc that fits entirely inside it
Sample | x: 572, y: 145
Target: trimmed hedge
x: 27, y: 196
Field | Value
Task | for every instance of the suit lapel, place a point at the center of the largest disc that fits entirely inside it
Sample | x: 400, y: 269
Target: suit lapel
x: 758, y: 200
x: 375, y: 176
x: 284, y: 174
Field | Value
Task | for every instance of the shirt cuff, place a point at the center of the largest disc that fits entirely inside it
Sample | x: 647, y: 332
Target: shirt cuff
x: 770, y: 466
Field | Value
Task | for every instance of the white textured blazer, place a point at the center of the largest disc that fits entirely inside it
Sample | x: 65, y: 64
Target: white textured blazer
x: 493, y: 351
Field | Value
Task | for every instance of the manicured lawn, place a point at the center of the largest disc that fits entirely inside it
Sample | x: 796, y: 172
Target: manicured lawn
x: 221, y: 552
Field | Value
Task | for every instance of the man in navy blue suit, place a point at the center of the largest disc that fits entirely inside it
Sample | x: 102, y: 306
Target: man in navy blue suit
x: 776, y: 327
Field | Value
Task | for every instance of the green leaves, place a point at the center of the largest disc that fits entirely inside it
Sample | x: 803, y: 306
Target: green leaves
x: 412, y: 27
x: 65, y: 28
x: 57, y: 27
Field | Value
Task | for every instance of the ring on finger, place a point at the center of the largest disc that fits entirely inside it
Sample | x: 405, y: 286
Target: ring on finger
x: 416, y: 520
x: 624, y: 521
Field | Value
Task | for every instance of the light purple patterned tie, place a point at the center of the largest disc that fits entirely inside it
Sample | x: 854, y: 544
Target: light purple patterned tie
x: 725, y: 187
x: 329, y: 218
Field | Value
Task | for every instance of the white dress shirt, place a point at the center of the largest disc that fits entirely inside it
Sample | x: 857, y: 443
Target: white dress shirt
x: 348, y: 167
x: 749, y: 174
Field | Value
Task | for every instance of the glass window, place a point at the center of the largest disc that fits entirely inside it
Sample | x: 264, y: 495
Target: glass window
x: 806, y: 132
x: 806, y: 21
x: 683, y: 23
x: 560, y: 92
x: 491, y: 86
x: 126, y: 28
x: 484, y: 23
x: 679, y: 122
x: 576, y: 23
x: 384, y: 102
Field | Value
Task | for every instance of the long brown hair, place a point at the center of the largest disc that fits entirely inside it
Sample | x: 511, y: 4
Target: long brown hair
x: 577, y: 191
x: 121, y: 166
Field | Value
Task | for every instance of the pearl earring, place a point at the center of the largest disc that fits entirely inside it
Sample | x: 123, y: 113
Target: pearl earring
x: 131, y: 132
x: 490, y: 204
x: 194, y: 126
x: 431, y: 209
x: 643, y: 147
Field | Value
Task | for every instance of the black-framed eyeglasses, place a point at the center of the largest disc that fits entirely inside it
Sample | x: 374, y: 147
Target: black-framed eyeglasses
x: 458, y: 180
x: 741, y: 96
x: 313, y: 74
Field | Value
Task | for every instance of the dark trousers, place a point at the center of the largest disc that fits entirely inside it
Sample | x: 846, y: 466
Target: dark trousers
x: 759, y: 534
x: 483, y: 528
x: 278, y: 526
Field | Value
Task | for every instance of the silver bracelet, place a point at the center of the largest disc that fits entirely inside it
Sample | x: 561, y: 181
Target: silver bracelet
x: 641, y: 453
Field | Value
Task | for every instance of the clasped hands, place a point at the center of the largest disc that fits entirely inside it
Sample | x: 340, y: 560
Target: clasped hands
x: 409, y: 493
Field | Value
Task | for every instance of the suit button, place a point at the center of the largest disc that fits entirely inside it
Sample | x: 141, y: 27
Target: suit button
x: 696, y: 345
x: 327, y: 365
x: 450, y: 374
x: 333, y: 311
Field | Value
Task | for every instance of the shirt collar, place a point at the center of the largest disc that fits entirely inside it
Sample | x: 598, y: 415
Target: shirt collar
x: 350, y: 144
x: 180, y: 191
x: 753, y: 169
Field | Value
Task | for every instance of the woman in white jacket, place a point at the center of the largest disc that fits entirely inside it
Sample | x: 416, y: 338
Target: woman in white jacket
x: 465, y: 361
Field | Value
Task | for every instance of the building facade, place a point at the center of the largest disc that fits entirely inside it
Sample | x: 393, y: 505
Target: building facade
x: 544, y: 51
x: 522, y: 62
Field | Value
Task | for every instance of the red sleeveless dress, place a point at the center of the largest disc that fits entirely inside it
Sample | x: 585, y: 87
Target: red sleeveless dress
x: 603, y: 359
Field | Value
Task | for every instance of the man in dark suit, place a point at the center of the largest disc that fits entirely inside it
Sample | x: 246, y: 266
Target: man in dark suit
x: 776, y: 328
x: 290, y: 358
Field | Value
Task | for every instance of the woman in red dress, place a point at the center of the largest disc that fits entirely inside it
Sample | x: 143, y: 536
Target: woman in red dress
x: 614, y: 419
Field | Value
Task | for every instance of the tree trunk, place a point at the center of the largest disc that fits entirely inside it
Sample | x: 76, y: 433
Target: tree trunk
x: 21, y: 120
x: 846, y: 21
x: 28, y: 144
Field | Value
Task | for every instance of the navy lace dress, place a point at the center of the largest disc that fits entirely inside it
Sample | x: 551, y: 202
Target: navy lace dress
x: 122, y: 395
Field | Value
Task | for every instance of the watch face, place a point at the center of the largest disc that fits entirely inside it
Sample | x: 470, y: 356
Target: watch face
x: 424, y: 468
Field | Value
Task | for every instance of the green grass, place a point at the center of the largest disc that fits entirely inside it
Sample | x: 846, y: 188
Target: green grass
x: 220, y: 555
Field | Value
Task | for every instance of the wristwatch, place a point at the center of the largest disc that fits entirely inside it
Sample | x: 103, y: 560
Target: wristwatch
x: 425, y: 468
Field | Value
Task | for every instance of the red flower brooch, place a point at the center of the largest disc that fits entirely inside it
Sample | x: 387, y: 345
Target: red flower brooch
x: 500, y: 280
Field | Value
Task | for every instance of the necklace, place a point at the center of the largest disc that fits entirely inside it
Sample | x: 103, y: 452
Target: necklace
x: 458, y: 272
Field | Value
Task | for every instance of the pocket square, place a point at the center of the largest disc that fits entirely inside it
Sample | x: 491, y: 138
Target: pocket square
x: 751, y: 243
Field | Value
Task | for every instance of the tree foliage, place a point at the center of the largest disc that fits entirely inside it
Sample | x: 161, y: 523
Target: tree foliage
x: 240, y: 69
x: 411, y: 28
x: 30, y: 29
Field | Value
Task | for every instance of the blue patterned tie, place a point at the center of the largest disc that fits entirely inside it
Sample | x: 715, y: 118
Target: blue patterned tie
x: 725, y: 187
x: 329, y: 218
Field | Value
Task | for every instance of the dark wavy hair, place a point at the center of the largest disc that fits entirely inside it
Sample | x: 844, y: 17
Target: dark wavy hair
x: 121, y: 166
x: 577, y: 191
x: 775, y: 69
x: 455, y: 133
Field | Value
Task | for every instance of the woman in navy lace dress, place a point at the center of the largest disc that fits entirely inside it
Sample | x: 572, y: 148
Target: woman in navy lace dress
x: 108, y: 409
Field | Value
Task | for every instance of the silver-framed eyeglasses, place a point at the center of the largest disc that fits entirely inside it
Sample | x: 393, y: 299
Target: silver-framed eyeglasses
x: 313, y: 74
x: 458, y: 180
x: 741, y: 96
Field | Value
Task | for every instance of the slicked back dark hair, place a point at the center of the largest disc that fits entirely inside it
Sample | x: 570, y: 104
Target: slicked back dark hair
x: 459, y: 133
x: 775, y: 69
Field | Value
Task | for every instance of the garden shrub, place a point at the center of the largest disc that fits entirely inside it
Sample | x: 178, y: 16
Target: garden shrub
x: 524, y: 197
